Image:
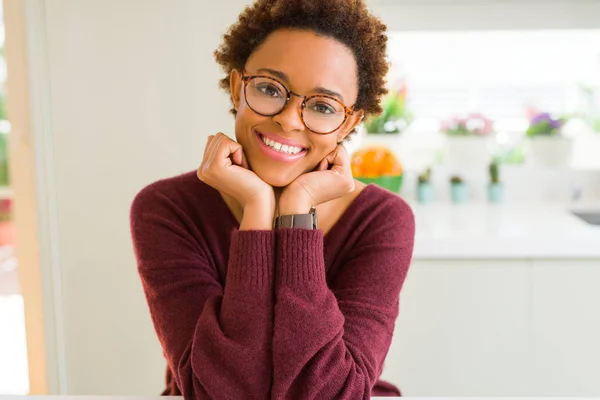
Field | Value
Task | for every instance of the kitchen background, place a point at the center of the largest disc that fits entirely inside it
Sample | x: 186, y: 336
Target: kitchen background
x: 491, y: 131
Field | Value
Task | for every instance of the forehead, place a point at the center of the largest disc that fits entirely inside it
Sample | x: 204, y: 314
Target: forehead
x: 310, y: 61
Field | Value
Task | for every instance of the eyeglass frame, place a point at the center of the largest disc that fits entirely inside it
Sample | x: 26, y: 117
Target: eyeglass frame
x: 347, y: 110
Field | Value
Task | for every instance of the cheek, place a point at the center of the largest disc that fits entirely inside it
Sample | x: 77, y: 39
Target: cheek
x: 322, y: 146
x: 326, y: 143
x: 245, y: 119
x: 244, y: 113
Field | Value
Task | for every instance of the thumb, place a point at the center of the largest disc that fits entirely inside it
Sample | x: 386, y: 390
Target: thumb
x: 237, y: 156
x: 323, y: 165
x: 341, y: 159
x: 245, y: 161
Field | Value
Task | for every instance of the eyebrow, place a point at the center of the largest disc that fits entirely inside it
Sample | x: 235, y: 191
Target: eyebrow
x: 283, y: 76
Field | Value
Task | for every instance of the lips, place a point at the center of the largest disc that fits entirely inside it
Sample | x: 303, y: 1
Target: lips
x: 281, y: 140
x: 276, y: 155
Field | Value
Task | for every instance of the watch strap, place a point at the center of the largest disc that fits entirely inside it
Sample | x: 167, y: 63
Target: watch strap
x: 303, y: 221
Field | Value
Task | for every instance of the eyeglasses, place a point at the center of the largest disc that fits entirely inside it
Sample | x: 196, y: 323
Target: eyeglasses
x: 268, y: 97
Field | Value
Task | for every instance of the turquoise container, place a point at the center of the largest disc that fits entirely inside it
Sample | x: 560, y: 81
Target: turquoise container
x: 425, y: 193
x: 495, y: 193
x: 459, y: 193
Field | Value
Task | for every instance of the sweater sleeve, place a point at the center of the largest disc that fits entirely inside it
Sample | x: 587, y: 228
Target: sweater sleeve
x: 331, y: 342
x: 217, y: 340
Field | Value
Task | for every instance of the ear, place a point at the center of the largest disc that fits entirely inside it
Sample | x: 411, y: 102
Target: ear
x: 235, y: 86
x: 351, y: 123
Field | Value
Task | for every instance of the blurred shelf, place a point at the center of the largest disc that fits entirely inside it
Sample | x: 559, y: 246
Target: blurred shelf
x: 6, y: 252
x: 6, y: 192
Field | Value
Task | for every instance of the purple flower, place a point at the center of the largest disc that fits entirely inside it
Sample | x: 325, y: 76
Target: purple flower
x: 546, y: 117
x: 545, y: 124
x: 540, y: 117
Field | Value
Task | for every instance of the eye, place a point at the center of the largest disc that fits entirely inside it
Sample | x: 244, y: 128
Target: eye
x: 323, y: 108
x: 269, y: 89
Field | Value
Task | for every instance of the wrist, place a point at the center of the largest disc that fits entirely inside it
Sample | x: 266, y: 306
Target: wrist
x: 258, y: 215
x: 291, y: 203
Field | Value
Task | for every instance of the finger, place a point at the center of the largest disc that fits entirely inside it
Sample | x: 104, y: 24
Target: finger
x: 245, y: 160
x: 227, y: 149
x: 332, y: 157
x: 215, y: 146
x: 342, y: 154
x: 222, y: 139
x: 207, y: 148
x: 212, y: 157
x: 323, y: 165
x: 341, y: 160
x: 237, y: 156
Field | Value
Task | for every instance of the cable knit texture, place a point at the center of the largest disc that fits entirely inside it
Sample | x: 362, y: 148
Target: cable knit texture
x: 287, y: 314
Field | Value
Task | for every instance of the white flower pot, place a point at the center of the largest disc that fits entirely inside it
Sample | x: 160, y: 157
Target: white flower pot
x: 551, y: 151
x: 467, y: 151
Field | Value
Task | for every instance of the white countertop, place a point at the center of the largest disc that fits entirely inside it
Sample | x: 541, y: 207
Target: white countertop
x: 80, y: 397
x: 519, y: 231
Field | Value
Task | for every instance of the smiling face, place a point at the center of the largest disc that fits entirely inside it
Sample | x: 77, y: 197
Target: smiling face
x: 307, y: 64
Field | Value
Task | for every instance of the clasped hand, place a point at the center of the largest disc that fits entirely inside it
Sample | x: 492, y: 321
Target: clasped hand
x: 225, y: 168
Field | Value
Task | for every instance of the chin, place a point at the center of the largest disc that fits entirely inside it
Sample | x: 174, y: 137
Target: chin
x: 276, y: 174
x: 275, y: 178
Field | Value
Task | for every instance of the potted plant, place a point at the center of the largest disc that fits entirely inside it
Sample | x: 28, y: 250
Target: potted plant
x: 424, y: 187
x: 591, y: 109
x: 547, y: 145
x: 377, y: 164
x: 4, y: 172
x: 395, y: 117
x: 386, y: 128
x: 458, y: 190
x: 467, y: 140
x: 7, y: 230
x: 495, y: 188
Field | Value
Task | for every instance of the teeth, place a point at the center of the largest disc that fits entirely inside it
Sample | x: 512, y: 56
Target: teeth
x: 282, y: 148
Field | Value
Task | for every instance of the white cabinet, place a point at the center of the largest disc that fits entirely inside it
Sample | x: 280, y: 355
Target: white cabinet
x: 567, y: 327
x: 463, y: 329
x: 498, y: 328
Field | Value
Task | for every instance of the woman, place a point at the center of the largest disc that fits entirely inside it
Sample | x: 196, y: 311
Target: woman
x: 249, y: 298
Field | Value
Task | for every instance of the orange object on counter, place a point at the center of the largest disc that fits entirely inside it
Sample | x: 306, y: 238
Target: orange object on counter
x: 374, y: 161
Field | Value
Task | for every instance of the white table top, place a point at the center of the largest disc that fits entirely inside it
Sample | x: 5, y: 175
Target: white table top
x: 7, y: 397
x: 479, y: 231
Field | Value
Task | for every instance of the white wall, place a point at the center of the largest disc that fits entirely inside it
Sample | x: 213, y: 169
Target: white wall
x: 131, y: 96
x: 487, y: 14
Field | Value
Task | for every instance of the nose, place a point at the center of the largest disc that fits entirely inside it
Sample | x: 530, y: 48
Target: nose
x: 289, y: 119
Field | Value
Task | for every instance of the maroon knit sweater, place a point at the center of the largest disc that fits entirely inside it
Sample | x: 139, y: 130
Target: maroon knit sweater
x: 288, y: 314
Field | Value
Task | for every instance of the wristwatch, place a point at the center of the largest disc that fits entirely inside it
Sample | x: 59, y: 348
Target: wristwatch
x: 304, y: 221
